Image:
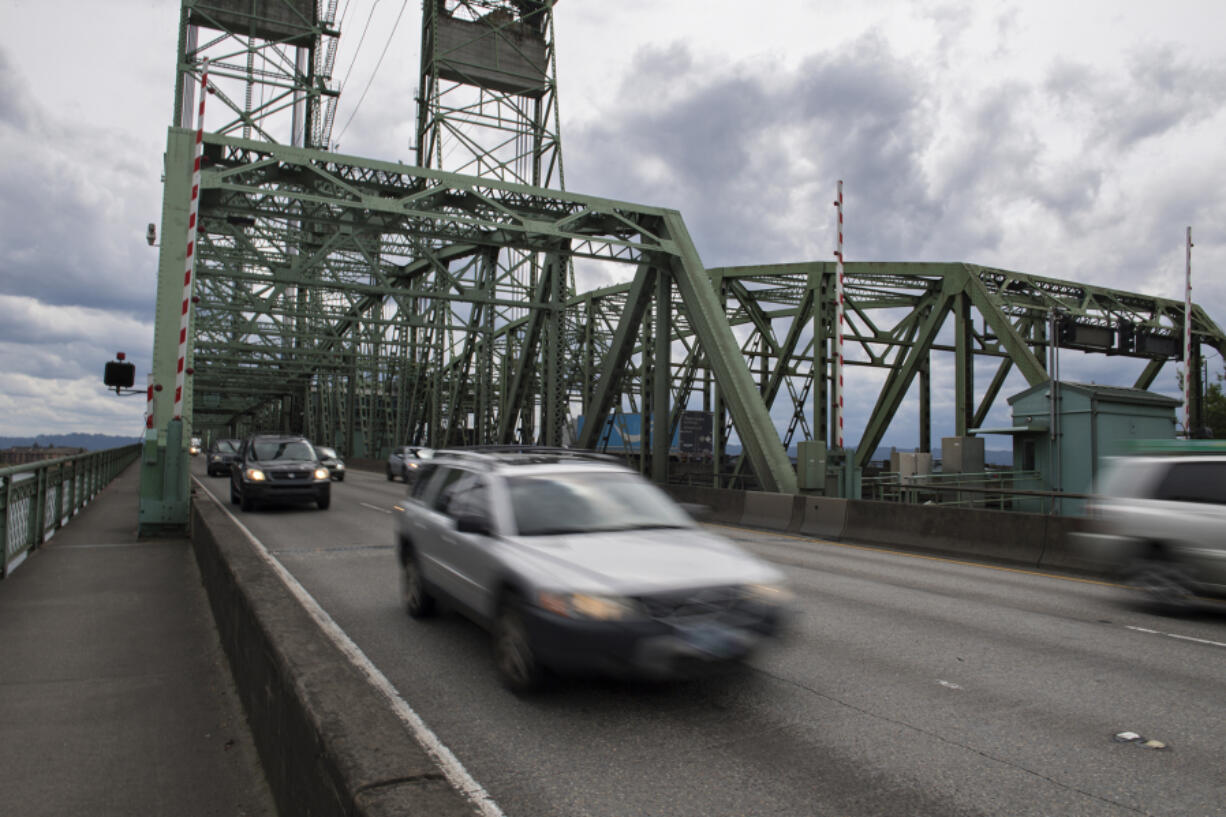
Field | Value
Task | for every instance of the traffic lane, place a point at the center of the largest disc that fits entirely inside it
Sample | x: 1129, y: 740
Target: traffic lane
x: 888, y: 691
x: 597, y: 748
x: 359, y: 516
x: 882, y: 730
x: 1053, y: 663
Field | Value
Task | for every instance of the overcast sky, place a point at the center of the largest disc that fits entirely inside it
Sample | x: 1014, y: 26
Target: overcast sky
x: 1072, y: 140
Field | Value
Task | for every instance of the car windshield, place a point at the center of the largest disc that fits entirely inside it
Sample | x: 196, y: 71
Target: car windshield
x: 282, y: 450
x: 590, y: 502
x: 225, y: 447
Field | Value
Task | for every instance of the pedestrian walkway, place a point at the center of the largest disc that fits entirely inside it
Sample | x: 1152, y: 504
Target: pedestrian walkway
x: 115, y: 695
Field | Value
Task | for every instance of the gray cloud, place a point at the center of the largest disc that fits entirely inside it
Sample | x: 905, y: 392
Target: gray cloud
x: 749, y: 157
x: 73, y: 208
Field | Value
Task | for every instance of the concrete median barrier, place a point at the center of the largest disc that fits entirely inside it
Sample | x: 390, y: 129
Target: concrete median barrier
x: 726, y: 507
x: 823, y: 516
x: 1063, y: 551
x: 330, y: 743
x: 1012, y: 538
x: 779, y: 512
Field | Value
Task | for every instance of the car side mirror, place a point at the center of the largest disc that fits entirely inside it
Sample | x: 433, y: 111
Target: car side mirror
x: 699, y: 513
x: 473, y: 523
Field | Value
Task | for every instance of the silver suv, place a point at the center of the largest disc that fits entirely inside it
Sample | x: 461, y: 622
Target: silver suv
x: 578, y: 564
x: 1160, y: 521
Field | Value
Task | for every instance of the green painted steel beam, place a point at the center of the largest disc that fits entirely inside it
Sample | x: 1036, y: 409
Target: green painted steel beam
x: 753, y: 423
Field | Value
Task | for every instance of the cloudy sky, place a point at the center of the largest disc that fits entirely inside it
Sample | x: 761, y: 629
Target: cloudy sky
x: 1072, y: 140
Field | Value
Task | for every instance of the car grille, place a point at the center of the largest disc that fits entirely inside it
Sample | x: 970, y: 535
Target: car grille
x: 708, y: 602
x: 289, y: 476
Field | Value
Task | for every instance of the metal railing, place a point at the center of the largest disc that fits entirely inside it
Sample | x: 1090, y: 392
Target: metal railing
x: 997, y: 490
x: 40, y: 497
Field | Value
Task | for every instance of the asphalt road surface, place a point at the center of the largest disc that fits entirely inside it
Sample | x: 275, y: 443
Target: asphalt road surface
x: 907, y: 686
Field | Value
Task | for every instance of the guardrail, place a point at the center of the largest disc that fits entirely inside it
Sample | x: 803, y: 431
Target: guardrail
x: 40, y: 497
x: 999, y: 490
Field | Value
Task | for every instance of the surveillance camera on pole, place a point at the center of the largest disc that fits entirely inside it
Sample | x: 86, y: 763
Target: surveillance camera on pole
x: 151, y: 235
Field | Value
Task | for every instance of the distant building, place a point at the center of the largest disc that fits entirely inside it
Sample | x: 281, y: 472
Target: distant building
x: 25, y: 454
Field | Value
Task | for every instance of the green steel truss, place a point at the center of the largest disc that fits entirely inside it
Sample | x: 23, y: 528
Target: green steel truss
x: 488, y: 101
x: 900, y: 314
x: 371, y: 304
x: 364, y: 303
x: 270, y: 68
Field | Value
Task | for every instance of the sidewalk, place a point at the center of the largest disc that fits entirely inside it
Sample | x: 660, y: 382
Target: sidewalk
x: 115, y: 696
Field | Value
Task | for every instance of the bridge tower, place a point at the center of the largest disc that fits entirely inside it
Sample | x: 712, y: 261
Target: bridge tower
x: 488, y: 106
x: 270, y: 64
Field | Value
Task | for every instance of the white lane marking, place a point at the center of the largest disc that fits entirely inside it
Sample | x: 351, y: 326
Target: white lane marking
x: 451, y: 767
x: 1148, y: 631
x: 374, y: 507
x: 949, y: 684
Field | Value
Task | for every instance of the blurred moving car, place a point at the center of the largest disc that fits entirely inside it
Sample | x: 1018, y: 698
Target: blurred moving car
x: 331, y: 460
x: 222, y: 454
x: 279, y: 468
x: 406, y: 459
x: 194, y: 446
x: 1160, y: 523
x: 579, y: 564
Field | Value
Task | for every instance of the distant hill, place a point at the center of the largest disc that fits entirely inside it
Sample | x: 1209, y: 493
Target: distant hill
x: 90, y: 442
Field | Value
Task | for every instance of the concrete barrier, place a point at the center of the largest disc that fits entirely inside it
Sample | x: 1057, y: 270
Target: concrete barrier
x: 1012, y: 538
x: 771, y: 511
x: 329, y: 742
x: 822, y: 516
x: 726, y: 506
x: 1061, y: 552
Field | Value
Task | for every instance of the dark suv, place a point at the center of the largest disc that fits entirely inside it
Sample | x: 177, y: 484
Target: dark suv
x: 222, y: 454
x: 279, y: 468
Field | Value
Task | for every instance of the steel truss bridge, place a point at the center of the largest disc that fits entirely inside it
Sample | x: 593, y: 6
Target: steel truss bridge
x: 369, y: 304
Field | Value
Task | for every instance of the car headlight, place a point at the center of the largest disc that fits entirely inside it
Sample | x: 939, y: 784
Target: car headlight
x: 767, y: 593
x: 255, y: 475
x: 322, y: 473
x: 340, y: 466
x: 584, y: 605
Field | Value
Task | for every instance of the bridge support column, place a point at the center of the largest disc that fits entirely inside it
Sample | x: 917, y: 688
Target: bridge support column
x: 165, y: 495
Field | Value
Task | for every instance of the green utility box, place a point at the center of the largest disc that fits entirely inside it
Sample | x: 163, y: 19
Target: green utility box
x: 811, y: 465
x: 1089, y: 422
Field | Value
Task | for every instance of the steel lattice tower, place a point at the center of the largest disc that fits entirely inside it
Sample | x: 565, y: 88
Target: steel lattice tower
x: 488, y: 106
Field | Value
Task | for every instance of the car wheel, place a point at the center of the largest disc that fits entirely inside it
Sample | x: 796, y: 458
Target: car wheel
x: 340, y: 477
x: 324, y: 501
x: 247, y: 503
x: 517, y: 663
x: 390, y: 476
x: 233, y: 494
x: 418, y: 602
x: 1163, y: 583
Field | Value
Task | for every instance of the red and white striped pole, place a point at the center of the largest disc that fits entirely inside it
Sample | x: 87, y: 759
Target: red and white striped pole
x: 149, y: 404
x: 1187, y: 343
x: 838, y: 331
x: 193, y: 209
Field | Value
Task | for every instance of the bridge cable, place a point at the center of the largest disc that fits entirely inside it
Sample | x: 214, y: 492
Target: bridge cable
x: 375, y: 72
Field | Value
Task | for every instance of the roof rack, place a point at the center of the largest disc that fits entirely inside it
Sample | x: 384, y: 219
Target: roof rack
x: 522, y: 453
x: 1176, y: 446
